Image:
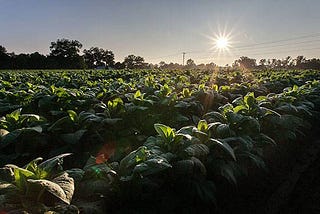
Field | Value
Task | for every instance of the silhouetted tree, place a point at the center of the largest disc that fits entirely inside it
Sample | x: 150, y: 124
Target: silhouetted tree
x: 65, y: 53
x: 98, y: 57
x: 299, y: 61
x: 162, y: 64
x: 4, y: 58
x: 262, y: 63
x: 245, y: 63
x: 37, y: 61
x: 133, y: 61
x: 190, y: 64
x: 287, y: 62
x: 119, y: 65
x: 21, y: 61
x: 153, y: 66
x: 3, y: 49
x: 211, y: 66
x: 312, y: 63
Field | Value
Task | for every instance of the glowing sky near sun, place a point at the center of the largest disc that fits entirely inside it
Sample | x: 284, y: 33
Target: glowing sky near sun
x: 159, y: 30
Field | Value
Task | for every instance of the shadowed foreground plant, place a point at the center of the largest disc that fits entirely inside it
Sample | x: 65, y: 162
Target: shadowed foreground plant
x: 35, y: 186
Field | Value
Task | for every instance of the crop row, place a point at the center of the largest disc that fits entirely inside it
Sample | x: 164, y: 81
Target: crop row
x: 142, y: 138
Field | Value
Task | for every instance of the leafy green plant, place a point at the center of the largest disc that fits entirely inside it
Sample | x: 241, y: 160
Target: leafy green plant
x: 35, y: 183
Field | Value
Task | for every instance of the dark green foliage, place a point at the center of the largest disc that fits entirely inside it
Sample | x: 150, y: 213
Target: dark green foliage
x: 145, y: 135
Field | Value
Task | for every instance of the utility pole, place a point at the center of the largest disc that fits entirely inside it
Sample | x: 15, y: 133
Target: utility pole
x: 183, y: 53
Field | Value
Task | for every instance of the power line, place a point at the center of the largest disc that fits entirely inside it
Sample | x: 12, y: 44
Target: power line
x: 282, y: 40
x: 269, y: 42
x: 265, y: 53
x: 256, y: 46
x: 248, y: 50
x: 280, y: 45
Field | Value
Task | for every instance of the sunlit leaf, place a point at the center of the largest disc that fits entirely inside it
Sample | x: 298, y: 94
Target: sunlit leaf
x: 73, y: 115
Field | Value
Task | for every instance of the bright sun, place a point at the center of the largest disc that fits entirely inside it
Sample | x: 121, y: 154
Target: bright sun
x: 222, y: 43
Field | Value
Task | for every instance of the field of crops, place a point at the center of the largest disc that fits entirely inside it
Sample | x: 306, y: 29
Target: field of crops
x: 148, y: 141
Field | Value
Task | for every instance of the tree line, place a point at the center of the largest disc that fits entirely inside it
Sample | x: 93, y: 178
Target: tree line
x: 300, y: 62
x: 65, y: 54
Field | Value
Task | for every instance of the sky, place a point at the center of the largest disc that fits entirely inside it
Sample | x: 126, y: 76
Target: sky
x: 162, y: 30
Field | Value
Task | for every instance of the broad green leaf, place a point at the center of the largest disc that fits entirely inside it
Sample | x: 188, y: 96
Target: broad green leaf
x: 20, y: 176
x: 61, y: 187
x: 224, y: 146
x: 33, y: 167
x: 249, y: 99
x: 10, y: 137
x: 186, y: 130
x: 114, y: 103
x: 181, y: 118
x: 287, y: 108
x: 164, y: 131
x: 137, y: 94
x: 267, y: 111
x: 15, y: 114
x: 54, y: 163
x: 214, y: 117
x: 76, y: 174
x: 249, y: 126
x: 30, y: 116
x: 100, y: 171
x: 73, y: 115
x: 215, y: 87
x: 192, y: 166
x: 227, y: 171
x: 202, y: 136
x: 213, y: 125
x: 58, y: 124
x: 225, y: 88
x: 6, y: 174
x: 151, y: 166
x: 226, y: 108
x: 182, y: 104
x: 295, y: 88
x: 261, y: 98
x: 254, y: 158
x: 238, y: 101
x: 266, y: 139
x: 5, y: 107
x: 239, y: 108
x: 186, y: 92
x: 197, y: 150
x: 183, y: 167
x: 223, y: 131
x: 182, y: 135
x: 129, y: 161
x: 7, y: 188
x: 67, y: 184
x: 73, y: 138
x: 141, y: 155
x: 202, y: 126
x: 35, y: 129
x: 52, y: 88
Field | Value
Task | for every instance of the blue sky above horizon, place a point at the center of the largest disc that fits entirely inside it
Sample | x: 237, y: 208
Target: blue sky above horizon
x: 162, y: 30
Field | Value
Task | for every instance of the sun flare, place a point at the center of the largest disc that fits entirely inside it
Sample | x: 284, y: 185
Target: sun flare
x: 222, y: 43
